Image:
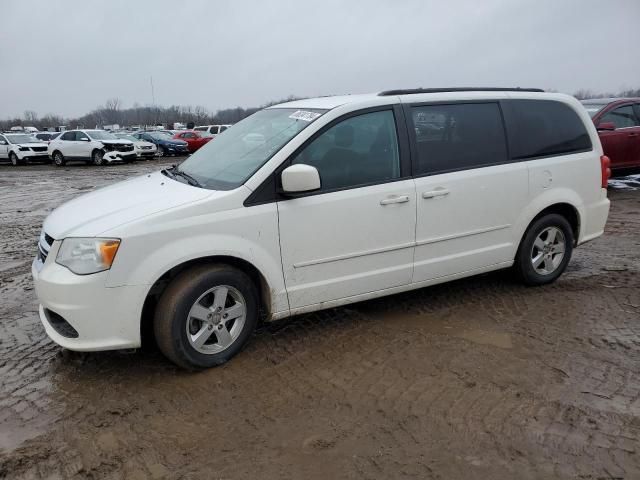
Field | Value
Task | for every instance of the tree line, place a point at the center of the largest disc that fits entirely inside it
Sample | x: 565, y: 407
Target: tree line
x: 112, y: 112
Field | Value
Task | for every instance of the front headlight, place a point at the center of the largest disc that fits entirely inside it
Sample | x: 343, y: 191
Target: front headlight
x: 87, y: 255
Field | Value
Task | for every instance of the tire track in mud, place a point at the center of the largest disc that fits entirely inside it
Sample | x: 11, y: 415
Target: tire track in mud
x: 481, y: 379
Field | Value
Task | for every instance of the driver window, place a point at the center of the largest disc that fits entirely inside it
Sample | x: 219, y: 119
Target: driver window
x: 623, y: 117
x: 81, y: 136
x: 357, y: 151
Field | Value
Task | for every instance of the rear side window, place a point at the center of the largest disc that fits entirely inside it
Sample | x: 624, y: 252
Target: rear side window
x: 222, y: 129
x: 622, y: 117
x: 458, y: 136
x: 539, y: 128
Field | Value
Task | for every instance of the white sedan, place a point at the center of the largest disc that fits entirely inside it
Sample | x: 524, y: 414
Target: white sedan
x: 143, y: 149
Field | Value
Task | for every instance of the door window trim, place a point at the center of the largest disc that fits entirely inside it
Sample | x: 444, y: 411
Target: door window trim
x: 268, y: 191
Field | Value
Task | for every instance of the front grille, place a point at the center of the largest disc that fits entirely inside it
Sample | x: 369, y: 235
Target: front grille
x: 124, y: 148
x: 144, y: 147
x: 60, y: 325
x: 39, y: 149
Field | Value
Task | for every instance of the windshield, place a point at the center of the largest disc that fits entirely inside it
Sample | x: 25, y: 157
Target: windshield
x: 125, y: 136
x: 23, y: 138
x: 101, y: 135
x: 229, y: 160
x: 593, y: 108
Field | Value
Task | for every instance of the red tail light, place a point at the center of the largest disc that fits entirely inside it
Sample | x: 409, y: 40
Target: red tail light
x: 605, y: 166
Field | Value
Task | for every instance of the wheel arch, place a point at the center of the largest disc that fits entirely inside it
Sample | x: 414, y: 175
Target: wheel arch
x: 158, y: 287
x: 566, y: 210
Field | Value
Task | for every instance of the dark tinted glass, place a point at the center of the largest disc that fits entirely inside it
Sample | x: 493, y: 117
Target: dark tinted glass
x: 622, y: 117
x: 538, y: 128
x: 68, y: 136
x: 356, y: 151
x: 458, y: 136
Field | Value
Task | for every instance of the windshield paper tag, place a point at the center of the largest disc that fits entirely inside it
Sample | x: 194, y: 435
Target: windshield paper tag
x: 303, y: 115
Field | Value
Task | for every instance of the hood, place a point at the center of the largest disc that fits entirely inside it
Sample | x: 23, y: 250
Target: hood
x: 144, y: 143
x: 172, y: 142
x: 94, y: 213
x: 121, y: 141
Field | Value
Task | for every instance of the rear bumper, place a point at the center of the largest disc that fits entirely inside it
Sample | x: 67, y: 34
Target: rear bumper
x: 595, y: 219
x: 104, y: 318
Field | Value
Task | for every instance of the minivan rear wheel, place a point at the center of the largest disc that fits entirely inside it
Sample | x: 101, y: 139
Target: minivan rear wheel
x: 205, y: 316
x: 545, y: 250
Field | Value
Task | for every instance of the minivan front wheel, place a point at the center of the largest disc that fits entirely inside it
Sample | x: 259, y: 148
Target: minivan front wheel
x: 545, y: 250
x: 206, y: 315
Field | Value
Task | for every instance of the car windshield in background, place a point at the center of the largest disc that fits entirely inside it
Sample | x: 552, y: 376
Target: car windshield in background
x: 127, y: 137
x: 15, y: 139
x: 160, y: 136
x: 229, y: 160
x: 101, y: 135
x: 593, y: 108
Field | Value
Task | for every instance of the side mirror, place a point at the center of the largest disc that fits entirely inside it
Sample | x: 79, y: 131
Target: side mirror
x: 2, y: 142
x: 606, y: 126
x: 300, y: 178
x: 84, y: 139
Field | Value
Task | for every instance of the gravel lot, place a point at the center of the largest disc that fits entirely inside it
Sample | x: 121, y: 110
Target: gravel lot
x: 478, y: 379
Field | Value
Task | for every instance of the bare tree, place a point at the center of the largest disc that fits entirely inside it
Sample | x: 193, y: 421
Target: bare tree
x: 30, y: 117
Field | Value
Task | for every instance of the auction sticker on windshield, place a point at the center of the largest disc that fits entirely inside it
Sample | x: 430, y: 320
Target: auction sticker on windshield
x: 304, y: 115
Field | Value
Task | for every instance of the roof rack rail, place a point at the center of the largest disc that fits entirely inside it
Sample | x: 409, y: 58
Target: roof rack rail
x: 408, y: 91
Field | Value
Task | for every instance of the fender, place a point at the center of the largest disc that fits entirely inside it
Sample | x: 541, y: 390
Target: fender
x: 544, y: 200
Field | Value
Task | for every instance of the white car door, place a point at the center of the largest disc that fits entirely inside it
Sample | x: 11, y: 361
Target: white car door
x: 469, y: 195
x: 4, y: 147
x: 82, y: 145
x: 356, y: 234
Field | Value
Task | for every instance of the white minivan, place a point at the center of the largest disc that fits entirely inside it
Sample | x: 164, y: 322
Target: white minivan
x: 323, y: 202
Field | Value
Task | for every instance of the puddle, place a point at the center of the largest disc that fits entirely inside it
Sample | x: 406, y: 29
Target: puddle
x: 630, y: 182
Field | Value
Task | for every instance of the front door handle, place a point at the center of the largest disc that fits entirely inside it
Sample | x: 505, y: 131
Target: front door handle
x: 438, y: 192
x: 395, y: 199
x: 633, y: 134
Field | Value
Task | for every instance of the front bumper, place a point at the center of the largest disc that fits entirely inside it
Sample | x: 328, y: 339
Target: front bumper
x: 105, y: 318
x: 119, y: 156
x: 32, y: 155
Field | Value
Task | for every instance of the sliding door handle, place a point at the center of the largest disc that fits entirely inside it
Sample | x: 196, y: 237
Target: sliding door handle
x: 394, y: 199
x: 438, y: 192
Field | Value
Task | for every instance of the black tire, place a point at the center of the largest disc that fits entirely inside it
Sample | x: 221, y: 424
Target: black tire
x: 172, y: 312
x: 15, y: 161
x: 524, y: 266
x: 58, y: 159
x: 161, y: 152
x: 97, y: 157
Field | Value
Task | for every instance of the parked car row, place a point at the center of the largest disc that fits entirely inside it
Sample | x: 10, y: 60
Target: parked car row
x: 100, y: 146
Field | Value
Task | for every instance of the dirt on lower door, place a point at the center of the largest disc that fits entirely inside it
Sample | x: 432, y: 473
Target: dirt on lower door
x: 478, y: 379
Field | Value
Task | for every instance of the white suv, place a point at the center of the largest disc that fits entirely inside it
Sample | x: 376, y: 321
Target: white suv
x: 323, y: 202
x: 211, y: 130
x: 18, y: 148
x: 97, y: 146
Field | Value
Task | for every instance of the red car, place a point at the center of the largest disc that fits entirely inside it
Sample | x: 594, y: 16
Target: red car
x: 194, y: 139
x: 618, y: 124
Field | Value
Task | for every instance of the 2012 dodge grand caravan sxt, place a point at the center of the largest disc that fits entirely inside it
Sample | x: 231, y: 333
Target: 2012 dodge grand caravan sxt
x: 322, y: 202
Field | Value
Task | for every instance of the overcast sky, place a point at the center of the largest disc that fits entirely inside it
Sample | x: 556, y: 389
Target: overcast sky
x: 67, y: 56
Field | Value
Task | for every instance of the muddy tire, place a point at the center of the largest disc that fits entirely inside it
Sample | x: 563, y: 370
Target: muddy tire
x: 161, y: 152
x: 545, y: 250
x: 58, y: 159
x: 97, y: 157
x: 205, y: 316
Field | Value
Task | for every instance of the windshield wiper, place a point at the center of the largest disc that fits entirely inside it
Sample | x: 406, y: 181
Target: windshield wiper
x: 175, y: 171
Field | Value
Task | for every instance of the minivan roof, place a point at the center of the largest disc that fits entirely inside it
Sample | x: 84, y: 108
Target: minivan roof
x: 330, y: 102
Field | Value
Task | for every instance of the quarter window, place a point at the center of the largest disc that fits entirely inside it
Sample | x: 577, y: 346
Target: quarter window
x: 538, y: 128
x: 357, y: 151
x: 622, y: 117
x: 458, y: 136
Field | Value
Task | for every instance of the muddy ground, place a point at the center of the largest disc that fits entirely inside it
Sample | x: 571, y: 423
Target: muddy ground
x: 478, y: 379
